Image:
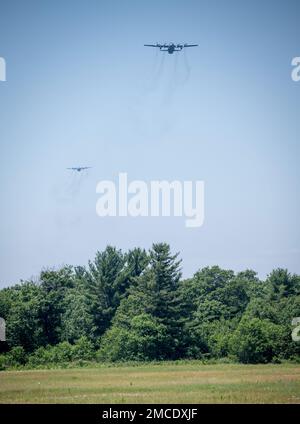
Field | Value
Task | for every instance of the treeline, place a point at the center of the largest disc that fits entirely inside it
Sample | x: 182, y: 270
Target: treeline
x: 135, y: 306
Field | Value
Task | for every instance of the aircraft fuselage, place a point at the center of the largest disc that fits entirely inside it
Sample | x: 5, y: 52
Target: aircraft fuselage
x: 171, y: 48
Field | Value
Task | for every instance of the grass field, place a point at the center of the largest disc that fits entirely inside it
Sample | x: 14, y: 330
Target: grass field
x: 163, y: 383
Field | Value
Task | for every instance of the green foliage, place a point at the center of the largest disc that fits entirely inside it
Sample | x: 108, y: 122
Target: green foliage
x: 214, y: 293
x: 256, y: 340
x: 3, y: 362
x: 135, y: 306
x: 108, y: 279
x: 158, y: 289
x: 77, y: 319
x: 62, y: 353
x: 83, y: 349
x: 144, y: 340
x: 54, y: 287
x: 282, y: 284
x: 23, y: 324
x: 16, y: 356
x: 58, y: 354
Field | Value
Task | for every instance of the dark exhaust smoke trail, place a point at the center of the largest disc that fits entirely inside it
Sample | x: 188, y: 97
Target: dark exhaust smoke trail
x: 180, y: 75
x: 187, y: 67
x: 173, y: 81
x: 161, y: 65
x: 158, y: 72
x: 155, y: 60
x: 66, y: 190
x: 155, y: 72
x: 176, y: 69
x: 76, y: 182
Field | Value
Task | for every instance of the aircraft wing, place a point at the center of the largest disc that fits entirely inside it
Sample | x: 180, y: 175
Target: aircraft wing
x: 153, y: 45
x: 190, y: 45
x: 79, y: 168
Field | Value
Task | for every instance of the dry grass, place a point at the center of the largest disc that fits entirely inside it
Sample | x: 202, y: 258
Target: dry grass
x: 164, y: 383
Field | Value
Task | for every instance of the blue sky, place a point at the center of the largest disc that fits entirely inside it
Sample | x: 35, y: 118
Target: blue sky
x: 82, y: 90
